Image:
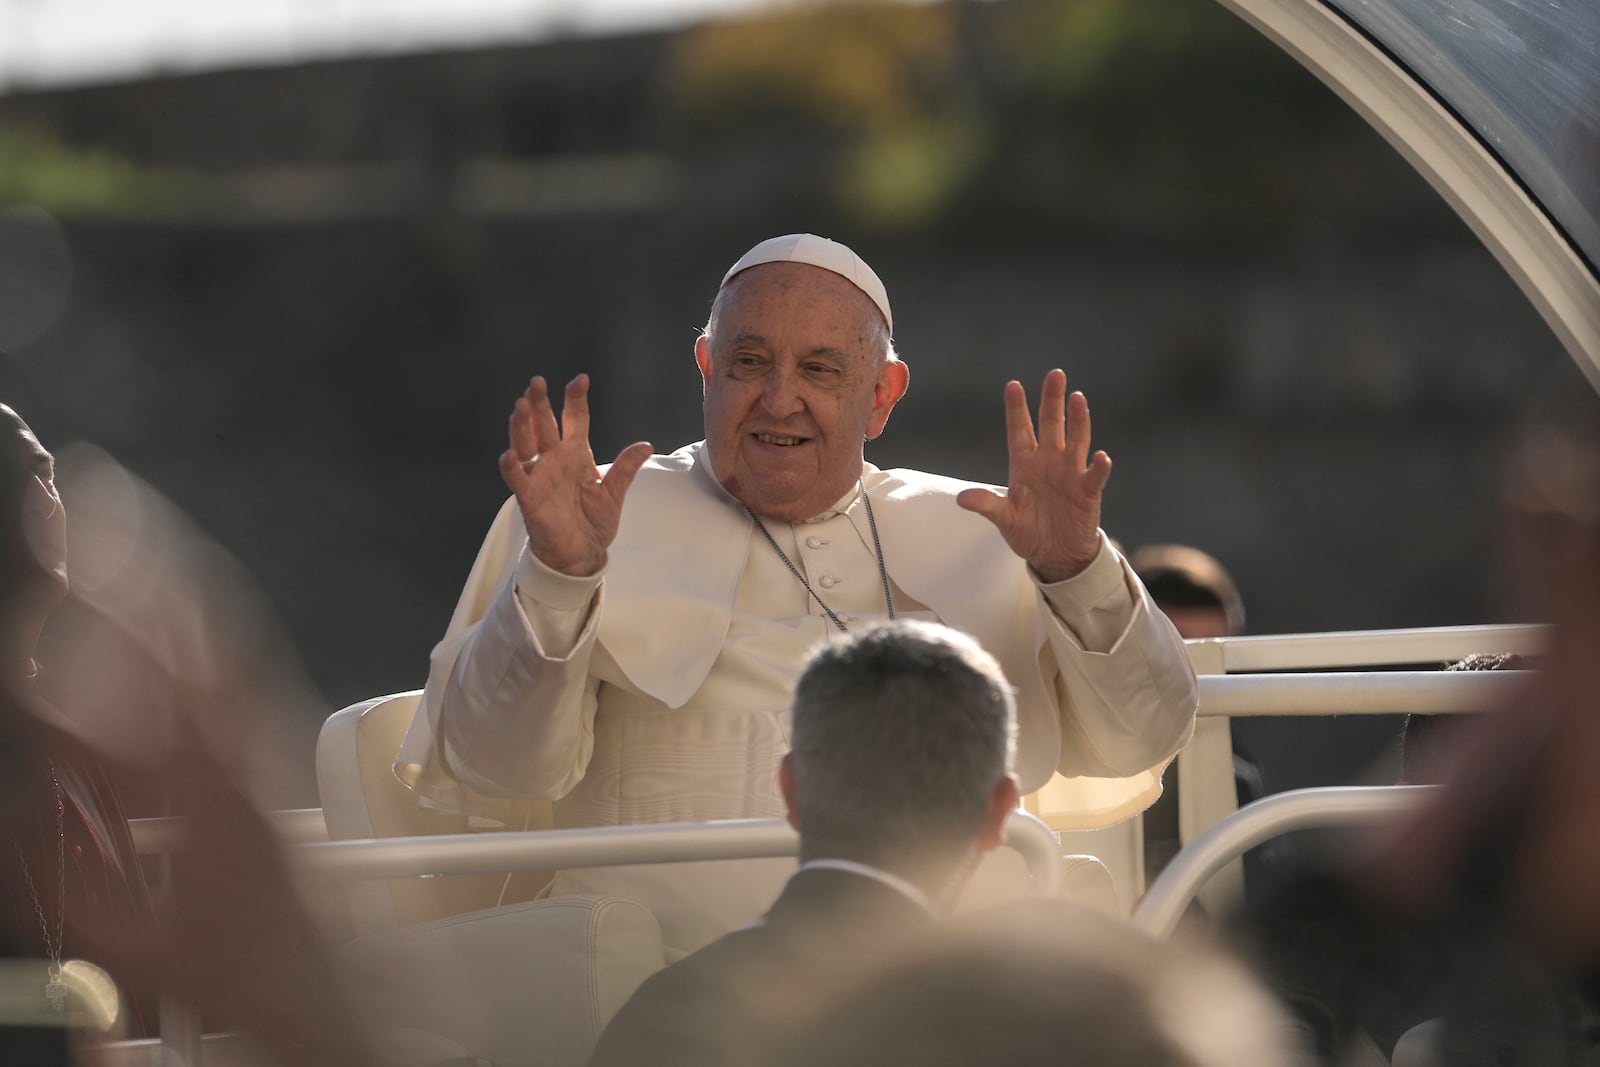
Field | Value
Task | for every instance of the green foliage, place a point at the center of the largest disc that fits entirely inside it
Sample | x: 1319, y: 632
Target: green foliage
x: 847, y: 68
x: 94, y: 184
x: 1020, y: 119
x: 908, y: 176
x: 1066, y: 50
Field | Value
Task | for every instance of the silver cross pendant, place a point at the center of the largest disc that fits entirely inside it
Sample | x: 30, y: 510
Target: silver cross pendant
x: 55, y: 990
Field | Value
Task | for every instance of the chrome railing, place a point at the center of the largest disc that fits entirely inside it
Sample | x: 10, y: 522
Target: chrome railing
x: 1159, y: 909
x: 604, y: 846
x: 1367, y: 648
x: 1353, y: 693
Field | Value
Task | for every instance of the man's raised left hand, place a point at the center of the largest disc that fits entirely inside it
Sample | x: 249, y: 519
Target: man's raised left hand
x: 1050, y: 512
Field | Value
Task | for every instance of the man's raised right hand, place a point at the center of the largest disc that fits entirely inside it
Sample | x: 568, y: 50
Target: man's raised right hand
x: 571, y: 512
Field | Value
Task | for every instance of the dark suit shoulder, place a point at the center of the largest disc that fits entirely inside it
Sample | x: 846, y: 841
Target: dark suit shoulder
x: 723, y: 1004
x: 698, y: 1010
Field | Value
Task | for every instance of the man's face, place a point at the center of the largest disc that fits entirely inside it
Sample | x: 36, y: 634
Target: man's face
x: 1197, y: 620
x: 43, y: 519
x: 795, y: 380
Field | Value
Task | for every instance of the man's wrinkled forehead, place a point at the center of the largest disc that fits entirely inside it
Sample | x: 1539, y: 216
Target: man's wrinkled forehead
x: 818, y: 252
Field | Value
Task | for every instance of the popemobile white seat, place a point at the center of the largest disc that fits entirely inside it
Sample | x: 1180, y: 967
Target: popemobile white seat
x: 1003, y: 876
x: 527, y: 984
x: 1088, y: 881
x: 362, y: 798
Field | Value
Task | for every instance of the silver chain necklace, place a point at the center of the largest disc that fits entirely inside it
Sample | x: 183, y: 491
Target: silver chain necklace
x: 55, y: 990
x: 877, y: 548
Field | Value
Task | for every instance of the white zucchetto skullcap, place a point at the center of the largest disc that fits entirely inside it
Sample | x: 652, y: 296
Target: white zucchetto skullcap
x: 818, y: 252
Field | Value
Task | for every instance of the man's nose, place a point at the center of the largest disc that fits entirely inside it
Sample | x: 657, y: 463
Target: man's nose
x: 781, y: 397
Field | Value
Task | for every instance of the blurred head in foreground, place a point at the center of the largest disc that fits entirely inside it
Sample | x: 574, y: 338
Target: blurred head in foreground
x: 902, y: 744
x: 1554, y: 496
x: 138, y: 671
x: 1479, y: 910
x: 1192, y: 588
x: 1044, y: 983
x: 1514, y: 826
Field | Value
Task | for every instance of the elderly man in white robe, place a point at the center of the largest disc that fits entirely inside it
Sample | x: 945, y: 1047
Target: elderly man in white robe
x: 627, y: 642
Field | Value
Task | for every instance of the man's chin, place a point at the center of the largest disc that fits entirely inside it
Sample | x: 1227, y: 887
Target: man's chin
x: 780, y: 503
x: 798, y: 505
x: 783, y: 493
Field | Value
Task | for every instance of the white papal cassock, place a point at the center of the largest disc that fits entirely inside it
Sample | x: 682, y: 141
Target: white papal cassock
x: 659, y: 691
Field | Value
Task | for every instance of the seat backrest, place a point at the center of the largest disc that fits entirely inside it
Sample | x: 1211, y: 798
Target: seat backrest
x: 1002, y: 876
x: 527, y: 985
x: 1088, y: 881
x: 362, y: 798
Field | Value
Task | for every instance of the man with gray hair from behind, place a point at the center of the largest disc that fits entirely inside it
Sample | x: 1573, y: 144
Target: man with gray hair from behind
x: 898, y: 779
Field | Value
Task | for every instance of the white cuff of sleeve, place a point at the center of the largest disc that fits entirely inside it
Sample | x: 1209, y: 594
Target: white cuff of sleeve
x: 1090, y: 588
x: 539, y: 586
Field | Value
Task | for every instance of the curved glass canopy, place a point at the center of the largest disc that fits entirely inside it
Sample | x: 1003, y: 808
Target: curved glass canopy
x: 1524, y: 75
x: 1497, y: 104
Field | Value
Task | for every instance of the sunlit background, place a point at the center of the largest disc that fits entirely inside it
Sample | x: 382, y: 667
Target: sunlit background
x: 75, y: 42
x: 291, y: 262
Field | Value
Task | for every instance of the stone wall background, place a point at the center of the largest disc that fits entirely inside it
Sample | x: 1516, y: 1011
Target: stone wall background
x: 302, y: 300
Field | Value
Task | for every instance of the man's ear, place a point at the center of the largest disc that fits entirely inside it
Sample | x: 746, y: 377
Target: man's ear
x: 1003, y: 800
x: 893, y: 381
x: 786, y: 787
x: 702, y: 358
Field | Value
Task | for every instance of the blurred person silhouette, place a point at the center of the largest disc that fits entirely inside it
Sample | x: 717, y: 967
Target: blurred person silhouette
x: 1483, y: 907
x: 1041, y: 984
x: 1192, y: 588
x: 627, y: 641
x: 234, y: 937
x: 69, y: 857
x: 899, y: 777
